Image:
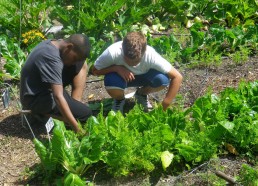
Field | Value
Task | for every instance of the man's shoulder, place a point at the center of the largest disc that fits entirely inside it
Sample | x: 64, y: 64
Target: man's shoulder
x: 46, y: 45
x: 118, y: 43
x: 45, y: 54
x: 115, y: 49
x: 150, y: 49
x: 150, y: 52
x: 47, y: 51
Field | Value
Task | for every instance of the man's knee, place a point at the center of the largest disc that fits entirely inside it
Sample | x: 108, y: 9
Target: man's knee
x: 84, y: 116
x: 114, y: 80
x: 160, y: 80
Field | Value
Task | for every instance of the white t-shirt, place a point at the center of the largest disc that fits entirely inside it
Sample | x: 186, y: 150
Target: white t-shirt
x: 114, y: 55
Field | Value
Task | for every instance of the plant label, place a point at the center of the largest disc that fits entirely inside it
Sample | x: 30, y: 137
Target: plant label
x: 49, y: 125
x: 6, y: 98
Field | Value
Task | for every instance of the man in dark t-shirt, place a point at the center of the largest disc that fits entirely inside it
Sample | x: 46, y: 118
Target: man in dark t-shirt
x: 52, y: 65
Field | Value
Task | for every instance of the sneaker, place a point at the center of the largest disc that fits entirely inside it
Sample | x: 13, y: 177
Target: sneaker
x: 143, y: 100
x: 118, y: 105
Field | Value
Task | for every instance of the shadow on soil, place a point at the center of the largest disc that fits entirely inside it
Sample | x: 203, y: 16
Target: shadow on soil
x: 14, y: 126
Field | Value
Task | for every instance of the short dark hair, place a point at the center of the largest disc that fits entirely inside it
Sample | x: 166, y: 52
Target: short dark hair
x: 81, y: 44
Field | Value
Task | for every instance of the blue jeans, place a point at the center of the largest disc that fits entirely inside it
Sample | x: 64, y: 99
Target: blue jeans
x: 152, y: 78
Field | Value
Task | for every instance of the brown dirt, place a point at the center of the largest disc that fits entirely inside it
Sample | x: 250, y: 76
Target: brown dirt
x: 18, y: 157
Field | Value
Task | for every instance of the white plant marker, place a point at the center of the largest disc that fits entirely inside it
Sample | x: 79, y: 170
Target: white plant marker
x: 49, y: 125
x: 6, y: 98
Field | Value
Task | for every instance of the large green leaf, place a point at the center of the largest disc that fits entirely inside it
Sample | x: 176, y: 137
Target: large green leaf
x: 166, y: 159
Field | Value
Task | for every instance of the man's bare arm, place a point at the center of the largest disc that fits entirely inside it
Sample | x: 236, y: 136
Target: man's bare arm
x: 79, y: 83
x: 63, y: 107
x: 126, y: 74
x: 175, y: 83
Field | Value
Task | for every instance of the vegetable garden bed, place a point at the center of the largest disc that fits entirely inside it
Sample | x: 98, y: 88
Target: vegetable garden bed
x: 18, y: 150
x: 204, y: 139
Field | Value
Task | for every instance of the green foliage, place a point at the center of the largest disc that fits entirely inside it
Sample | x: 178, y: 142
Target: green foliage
x: 127, y: 147
x: 137, y: 11
x: 89, y: 17
x: 194, y: 147
x: 68, y: 154
x: 14, y: 56
x: 48, y: 161
x: 208, y: 47
x: 97, y: 47
x: 241, y: 56
x: 179, y: 10
x: 209, y: 58
x: 166, y: 45
x: 248, y: 175
x: 229, y: 26
x: 73, y: 179
x: 142, y: 141
x: 231, y: 117
x: 139, y: 141
x: 22, y: 16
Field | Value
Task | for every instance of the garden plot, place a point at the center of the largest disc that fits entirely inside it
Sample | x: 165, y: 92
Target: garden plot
x: 18, y: 157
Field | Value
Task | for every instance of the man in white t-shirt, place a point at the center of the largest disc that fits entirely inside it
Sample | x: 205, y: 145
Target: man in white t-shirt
x: 132, y: 63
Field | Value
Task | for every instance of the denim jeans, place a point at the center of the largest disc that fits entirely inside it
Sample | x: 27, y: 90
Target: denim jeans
x: 152, y: 78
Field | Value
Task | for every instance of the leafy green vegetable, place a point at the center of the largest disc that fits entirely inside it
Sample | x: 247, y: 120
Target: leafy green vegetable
x: 139, y: 141
x: 166, y: 159
x: 73, y: 180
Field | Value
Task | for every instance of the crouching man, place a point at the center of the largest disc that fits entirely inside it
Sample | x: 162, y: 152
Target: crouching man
x: 132, y: 63
x: 50, y: 67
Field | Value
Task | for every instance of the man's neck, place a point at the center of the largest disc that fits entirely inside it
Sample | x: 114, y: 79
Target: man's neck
x: 58, y: 43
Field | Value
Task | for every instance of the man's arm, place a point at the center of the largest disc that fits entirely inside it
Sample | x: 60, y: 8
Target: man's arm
x: 96, y: 72
x: 126, y: 74
x: 63, y: 107
x: 175, y: 83
x: 79, y: 83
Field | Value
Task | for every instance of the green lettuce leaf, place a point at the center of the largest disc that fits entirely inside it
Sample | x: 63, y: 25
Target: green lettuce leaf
x: 166, y: 159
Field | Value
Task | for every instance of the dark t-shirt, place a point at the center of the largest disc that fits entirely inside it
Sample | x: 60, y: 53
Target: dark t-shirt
x: 44, y: 67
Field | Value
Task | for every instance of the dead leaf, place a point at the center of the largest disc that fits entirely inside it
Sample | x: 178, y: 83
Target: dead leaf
x: 90, y: 96
x: 231, y: 148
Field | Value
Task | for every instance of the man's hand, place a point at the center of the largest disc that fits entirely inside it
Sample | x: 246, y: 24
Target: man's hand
x: 122, y: 71
x: 126, y: 74
x: 82, y: 133
x: 165, y: 103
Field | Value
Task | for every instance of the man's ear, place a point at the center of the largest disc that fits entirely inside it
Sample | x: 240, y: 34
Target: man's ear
x: 68, y: 48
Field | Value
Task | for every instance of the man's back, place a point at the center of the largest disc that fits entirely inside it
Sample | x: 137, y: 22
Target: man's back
x: 43, y: 67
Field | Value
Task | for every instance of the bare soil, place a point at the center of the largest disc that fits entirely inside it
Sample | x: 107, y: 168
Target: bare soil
x: 18, y: 159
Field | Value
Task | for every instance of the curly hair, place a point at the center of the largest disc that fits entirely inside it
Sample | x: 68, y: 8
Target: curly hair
x: 134, y: 45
